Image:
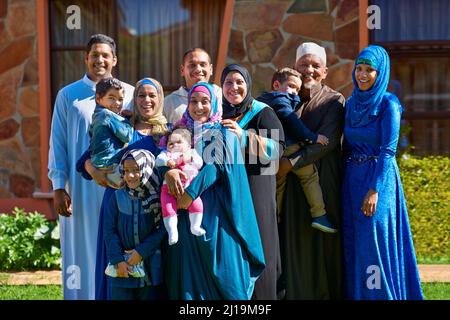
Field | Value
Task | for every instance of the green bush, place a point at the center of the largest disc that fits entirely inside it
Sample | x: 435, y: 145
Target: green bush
x: 426, y: 183
x: 28, y: 241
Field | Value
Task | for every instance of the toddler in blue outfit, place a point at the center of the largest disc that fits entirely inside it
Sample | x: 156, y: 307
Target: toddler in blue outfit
x: 110, y: 132
x: 286, y: 103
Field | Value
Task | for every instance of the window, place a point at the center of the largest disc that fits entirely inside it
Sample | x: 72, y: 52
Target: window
x: 416, y: 34
x: 151, y: 37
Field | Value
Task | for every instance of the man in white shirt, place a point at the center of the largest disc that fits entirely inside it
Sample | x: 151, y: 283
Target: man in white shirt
x: 196, y: 67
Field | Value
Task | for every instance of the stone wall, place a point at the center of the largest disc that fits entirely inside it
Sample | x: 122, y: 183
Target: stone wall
x: 19, y: 100
x: 266, y: 34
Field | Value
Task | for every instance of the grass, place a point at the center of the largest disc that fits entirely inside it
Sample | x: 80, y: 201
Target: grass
x: 31, y: 292
x: 432, y: 291
x: 436, y: 290
x: 428, y: 260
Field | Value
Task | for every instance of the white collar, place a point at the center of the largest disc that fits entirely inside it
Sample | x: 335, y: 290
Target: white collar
x: 88, y: 82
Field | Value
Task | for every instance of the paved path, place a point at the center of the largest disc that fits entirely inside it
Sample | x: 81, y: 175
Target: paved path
x: 428, y: 273
x: 434, y: 272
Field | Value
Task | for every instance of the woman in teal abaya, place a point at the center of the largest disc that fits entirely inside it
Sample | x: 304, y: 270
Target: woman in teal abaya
x: 226, y: 261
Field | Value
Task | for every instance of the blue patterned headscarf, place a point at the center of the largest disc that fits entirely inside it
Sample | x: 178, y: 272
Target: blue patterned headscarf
x: 215, y: 114
x: 363, y: 106
x: 149, y: 188
x: 214, y: 118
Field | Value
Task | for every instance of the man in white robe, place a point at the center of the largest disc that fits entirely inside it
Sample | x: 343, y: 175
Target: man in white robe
x: 77, y: 200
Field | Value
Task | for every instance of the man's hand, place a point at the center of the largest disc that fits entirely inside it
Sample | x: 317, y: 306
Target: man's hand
x: 99, y: 176
x: 135, y: 257
x: 173, y: 181
x: 62, y: 203
x: 369, y: 205
x: 321, y: 139
x: 184, y: 202
x: 284, y: 167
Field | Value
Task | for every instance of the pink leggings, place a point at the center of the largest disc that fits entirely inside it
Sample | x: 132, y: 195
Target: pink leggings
x: 169, y: 204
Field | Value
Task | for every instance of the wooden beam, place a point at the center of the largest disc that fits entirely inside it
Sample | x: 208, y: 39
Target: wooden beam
x: 223, y: 40
x: 363, y: 30
x: 43, y: 46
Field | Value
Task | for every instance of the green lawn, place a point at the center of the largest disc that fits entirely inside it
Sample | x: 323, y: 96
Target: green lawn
x: 432, y: 291
x: 436, y: 290
x: 31, y: 292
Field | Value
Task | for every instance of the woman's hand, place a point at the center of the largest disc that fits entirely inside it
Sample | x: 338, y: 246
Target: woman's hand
x: 369, y: 205
x: 135, y: 257
x: 171, y: 164
x: 122, y: 269
x: 184, y: 202
x: 233, y: 126
x: 99, y: 176
x: 173, y: 181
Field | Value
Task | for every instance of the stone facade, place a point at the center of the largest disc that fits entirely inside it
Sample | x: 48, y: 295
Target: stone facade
x: 20, y: 165
x: 265, y: 36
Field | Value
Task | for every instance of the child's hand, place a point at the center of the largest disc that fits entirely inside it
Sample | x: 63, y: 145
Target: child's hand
x: 171, y: 164
x: 122, y: 269
x: 187, y: 156
x: 135, y: 257
x: 321, y: 139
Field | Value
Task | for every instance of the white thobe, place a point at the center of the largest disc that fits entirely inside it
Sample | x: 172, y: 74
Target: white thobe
x: 69, y: 139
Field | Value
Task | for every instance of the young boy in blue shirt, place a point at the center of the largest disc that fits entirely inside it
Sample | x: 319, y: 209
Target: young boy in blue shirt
x: 109, y: 131
x: 285, y: 101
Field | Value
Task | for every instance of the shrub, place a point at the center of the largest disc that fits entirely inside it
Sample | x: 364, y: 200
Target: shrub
x: 28, y: 241
x: 426, y: 183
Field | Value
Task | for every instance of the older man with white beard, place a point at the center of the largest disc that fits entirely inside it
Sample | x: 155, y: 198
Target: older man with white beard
x: 312, y: 260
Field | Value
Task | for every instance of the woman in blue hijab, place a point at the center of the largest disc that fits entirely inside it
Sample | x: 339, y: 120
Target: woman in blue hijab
x: 380, y: 262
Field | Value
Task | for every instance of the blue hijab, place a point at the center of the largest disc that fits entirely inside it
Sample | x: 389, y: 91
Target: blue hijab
x: 215, y: 116
x: 363, y: 106
x: 215, y: 113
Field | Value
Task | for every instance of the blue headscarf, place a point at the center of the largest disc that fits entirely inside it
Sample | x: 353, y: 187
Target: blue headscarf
x: 214, y: 118
x: 363, y: 106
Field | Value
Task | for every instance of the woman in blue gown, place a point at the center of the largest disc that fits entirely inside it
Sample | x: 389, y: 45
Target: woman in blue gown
x: 380, y: 262
x: 149, y: 125
x: 226, y: 261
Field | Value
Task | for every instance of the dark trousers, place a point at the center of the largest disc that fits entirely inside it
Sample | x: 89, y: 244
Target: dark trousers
x: 144, y: 293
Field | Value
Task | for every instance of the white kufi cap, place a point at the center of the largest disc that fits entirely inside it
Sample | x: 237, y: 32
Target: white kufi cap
x: 311, y: 48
